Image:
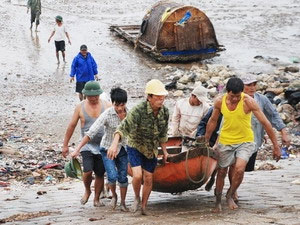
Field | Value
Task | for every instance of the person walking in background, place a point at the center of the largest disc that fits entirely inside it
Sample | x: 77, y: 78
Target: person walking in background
x: 35, y: 10
x: 84, y: 67
x: 270, y: 112
x: 87, y: 112
x: 59, y: 32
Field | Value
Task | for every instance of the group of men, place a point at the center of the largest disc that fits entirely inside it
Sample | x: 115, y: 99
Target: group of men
x: 144, y: 127
x: 235, y: 126
x: 241, y: 116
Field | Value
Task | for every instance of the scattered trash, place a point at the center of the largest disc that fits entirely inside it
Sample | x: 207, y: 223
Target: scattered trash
x: 4, y: 184
x: 63, y: 188
x: 24, y: 216
x: 284, y: 153
x: 292, y: 69
x: 267, y: 166
x: 53, y: 166
x: 95, y: 219
x: 296, y: 181
x: 30, y: 180
x: 295, y: 59
x: 41, y: 192
x: 11, y: 199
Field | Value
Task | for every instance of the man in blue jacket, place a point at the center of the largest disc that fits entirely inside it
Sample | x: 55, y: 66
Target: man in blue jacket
x: 84, y: 68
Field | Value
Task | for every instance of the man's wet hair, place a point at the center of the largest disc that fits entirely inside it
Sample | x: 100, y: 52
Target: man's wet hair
x: 118, y: 95
x: 235, y: 85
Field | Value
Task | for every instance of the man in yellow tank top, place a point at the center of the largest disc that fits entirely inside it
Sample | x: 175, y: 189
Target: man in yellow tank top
x: 236, y: 140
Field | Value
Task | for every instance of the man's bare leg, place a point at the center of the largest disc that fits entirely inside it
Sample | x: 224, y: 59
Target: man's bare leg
x: 147, y: 188
x: 87, y: 180
x: 64, y: 56
x: 114, y: 198
x: 99, y: 183
x: 237, y: 178
x: 136, y: 184
x: 235, y: 195
x: 123, y: 192
x: 57, y: 57
x: 221, y: 174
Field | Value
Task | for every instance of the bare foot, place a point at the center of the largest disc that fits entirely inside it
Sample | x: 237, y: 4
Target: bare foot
x: 218, y: 207
x: 113, y: 202
x: 85, y: 197
x: 124, y: 208
x: 231, y: 204
x: 135, y: 204
x: 98, y: 203
x: 235, y: 197
x: 144, y: 212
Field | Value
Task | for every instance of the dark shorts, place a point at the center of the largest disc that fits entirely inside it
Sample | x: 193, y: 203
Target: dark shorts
x: 136, y: 158
x: 35, y: 17
x: 60, y: 46
x: 251, y: 163
x: 92, y: 162
x: 80, y: 86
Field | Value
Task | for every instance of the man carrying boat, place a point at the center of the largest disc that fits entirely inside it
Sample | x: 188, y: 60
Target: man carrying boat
x: 236, y: 141
x: 145, y: 128
x: 270, y: 112
x: 188, y: 113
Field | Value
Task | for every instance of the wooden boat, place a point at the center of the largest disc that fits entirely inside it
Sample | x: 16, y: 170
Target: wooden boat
x: 172, y: 32
x: 186, y: 170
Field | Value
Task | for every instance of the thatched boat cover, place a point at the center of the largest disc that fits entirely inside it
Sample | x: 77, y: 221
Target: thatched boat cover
x: 162, y: 29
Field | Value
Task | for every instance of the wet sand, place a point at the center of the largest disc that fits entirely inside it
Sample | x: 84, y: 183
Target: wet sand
x: 37, y: 96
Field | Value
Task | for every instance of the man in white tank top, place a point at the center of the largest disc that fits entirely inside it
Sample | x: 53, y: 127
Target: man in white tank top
x: 59, y: 32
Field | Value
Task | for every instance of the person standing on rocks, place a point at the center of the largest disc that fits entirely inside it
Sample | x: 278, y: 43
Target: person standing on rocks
x: 84, y: 67
x: 87, y: 112
x: 270, y: 112
x: 236, y: 140
x: 35, y: 10
x: 145, y: 128
x: 188, y: 113
x: 116, y: 169
x: 60, y: 31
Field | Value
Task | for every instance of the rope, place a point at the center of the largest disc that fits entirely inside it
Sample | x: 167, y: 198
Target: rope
x: 187, y: 171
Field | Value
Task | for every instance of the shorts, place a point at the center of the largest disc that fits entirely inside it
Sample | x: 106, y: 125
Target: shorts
x: 80, y: 86
x: 116, y: 169
x: 251, y: 163
x: 136, y: 158
x: 60, y: 46
x: 92, y: 162
x: 228, y: 153
x: 35, y: 17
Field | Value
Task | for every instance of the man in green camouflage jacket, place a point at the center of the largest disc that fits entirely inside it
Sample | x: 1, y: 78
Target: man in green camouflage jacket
x: 145, y: 128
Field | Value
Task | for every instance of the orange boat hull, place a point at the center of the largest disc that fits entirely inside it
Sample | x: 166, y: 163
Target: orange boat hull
x: 183, y: 173
x: 172, y: 177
